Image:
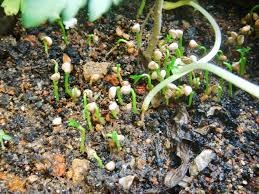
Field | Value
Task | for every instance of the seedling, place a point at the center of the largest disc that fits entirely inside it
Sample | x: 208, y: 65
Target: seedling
x: 136, y: 30
x: 141, y: 8
x: 93, y: 155
x: 230, y: 88
x: 202, y: 64
x: 67, y: 68
x: 63, y: 30
x: 94, y: 109
x: 82, y: 130
x: 86, y: 112
x: 115, y: 138
x: 243, y: 59
x: 114, y: 108
x: 130, y: 44
x: 118, y: 72
x: 75, y: 93
x: 55, y: 77
x: 4, y: 137
x: 47, y: 42
x: 194, y: 45
x: 126, y: 89
x: 137, y: 78
x: 91, y: 38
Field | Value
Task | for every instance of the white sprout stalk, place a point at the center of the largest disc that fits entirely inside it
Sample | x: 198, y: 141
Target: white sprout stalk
x: 216, y: 29
x: 202, y: 64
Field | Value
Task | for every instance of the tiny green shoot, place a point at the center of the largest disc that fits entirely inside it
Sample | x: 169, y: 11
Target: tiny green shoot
x: 243, y: 59
x: 63, y: 30
x: 115, y: 138
x: 137, y: 78
x: 4, y: 137
x: 67, y: 86
x: 55, y: 77
x: 82, y: 130
x: 230, y: 87
x: 93, y: 155
x: 86, y: 112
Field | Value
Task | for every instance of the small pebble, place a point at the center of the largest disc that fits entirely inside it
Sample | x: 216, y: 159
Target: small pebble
x: 110, y: 166
x: 32, y: 178
x: 126, y: 181
x: 57, y: 121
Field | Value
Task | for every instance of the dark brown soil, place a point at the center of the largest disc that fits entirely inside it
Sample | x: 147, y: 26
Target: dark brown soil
x: 39, y: 158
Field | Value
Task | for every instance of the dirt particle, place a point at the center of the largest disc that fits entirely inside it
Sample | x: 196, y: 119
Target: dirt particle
x: 126, y: 181
x: 79, y: 169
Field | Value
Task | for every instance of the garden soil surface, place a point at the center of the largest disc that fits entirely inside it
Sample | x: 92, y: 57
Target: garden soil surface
x: 45, y: 158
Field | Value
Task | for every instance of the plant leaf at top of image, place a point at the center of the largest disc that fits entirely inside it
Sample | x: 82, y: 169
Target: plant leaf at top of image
x: 11, y: 7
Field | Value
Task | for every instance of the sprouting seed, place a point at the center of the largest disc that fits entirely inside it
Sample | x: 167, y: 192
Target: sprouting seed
x: 82, y: 130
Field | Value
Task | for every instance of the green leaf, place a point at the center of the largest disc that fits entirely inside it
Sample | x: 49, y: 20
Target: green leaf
x: 11, y: 7
x: 4, y: 136
x: 98, y: 7
x: 7, y: 137
x: 37, y: 12
x: 73, y: 123
x: 72, y: 8
x: 136, y: 78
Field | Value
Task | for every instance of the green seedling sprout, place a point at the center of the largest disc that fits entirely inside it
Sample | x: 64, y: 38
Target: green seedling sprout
x: 119, y: 95
x: 94, y: 109
x: 63, y: 30
x: 93, y: 155
x: 137, y: 78
x: 4, y: 137
x: 136, y: 29
x: 86, y: 112
x: 91, y: 39
x: 190, y: 98
x: 47, y: 42
x: 114, y: 108
x: 194, y: 45
x: 230, y: 87
x: 243, y: 59
x: 55, y: 77
x: 141, y: 8
x: 118, y: 72
x: 67, y: 68
x: 82, y: 130
x: 75, y: 93
x: 134, y: 101
x: 115, y: 138
x: 130, y: 44
x: 202, y: 64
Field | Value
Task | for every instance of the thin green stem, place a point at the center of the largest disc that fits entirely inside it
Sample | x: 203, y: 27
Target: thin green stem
x: 99, y: 116
x: 98, y: 160
x: 118, y: 72
x: 82, y: 139
x: 63, y: 30
x: 67, y: 87
x: 87, y: 115
x: 207, y: 80
x: 46, y: 47
x: 119, y: 95
x: 190, y: 98
x: 138, y: 40
x: 134, y: 101
x: 55, y: 88
x: 141, y: 8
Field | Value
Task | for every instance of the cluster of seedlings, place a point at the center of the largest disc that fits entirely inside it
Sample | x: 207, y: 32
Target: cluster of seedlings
x: 91, y: 110
x: 167, y: 61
